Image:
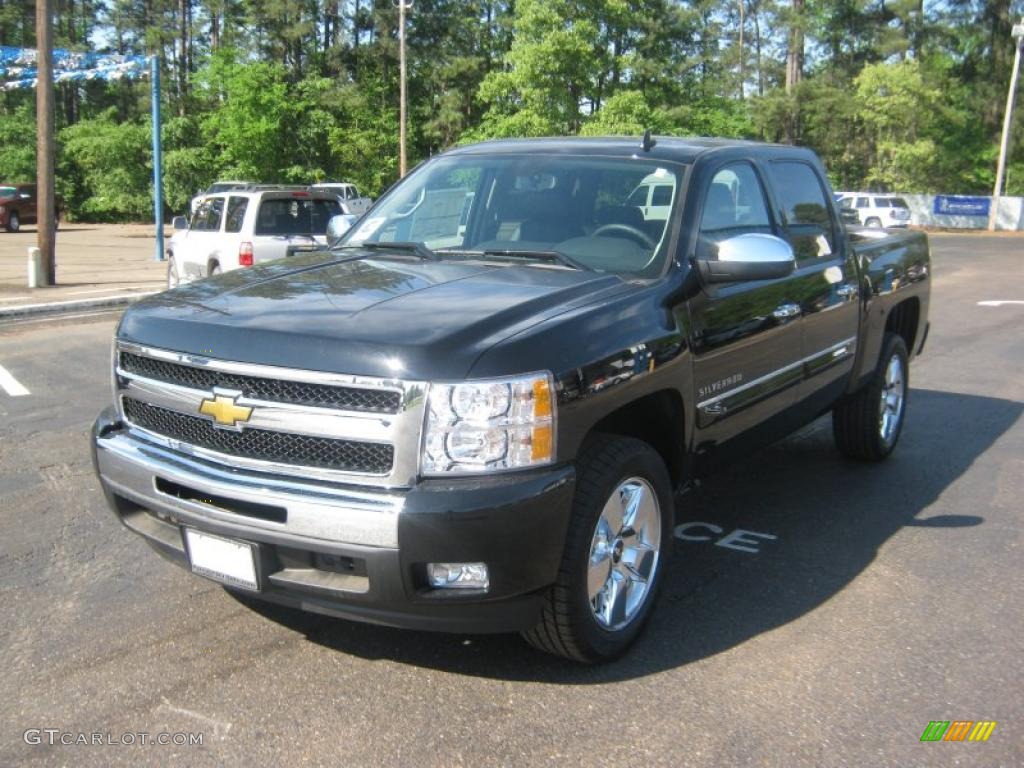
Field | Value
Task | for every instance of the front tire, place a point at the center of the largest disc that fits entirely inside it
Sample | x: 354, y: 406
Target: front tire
x: 868, y: 424
x: 13, y: 223
x: 874, y: 223
x: 617, y: 547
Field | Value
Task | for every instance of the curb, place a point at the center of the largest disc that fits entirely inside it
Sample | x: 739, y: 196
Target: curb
x: 60, y: 307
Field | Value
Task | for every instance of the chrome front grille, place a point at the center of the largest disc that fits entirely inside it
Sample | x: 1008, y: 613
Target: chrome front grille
x: 311, y: 424
x: 278, y: 447
x: 275, y: 390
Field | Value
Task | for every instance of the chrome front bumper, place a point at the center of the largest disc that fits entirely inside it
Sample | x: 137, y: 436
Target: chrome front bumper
x: 132, y: 468
x: 334, y: 549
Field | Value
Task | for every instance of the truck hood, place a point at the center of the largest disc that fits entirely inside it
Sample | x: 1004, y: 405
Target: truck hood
x: 364, y: 314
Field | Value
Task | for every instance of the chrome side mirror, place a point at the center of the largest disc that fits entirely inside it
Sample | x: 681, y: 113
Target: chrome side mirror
x: 751, y: 256
x: 338, y: 226
x: 179, y: 223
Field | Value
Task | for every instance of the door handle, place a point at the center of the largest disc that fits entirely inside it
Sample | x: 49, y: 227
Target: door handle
x: 786, y: 311
x: 847, y: 291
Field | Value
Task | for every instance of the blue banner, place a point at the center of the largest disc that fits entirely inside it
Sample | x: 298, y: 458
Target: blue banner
x: 18, y: 67
x: 961, y: 205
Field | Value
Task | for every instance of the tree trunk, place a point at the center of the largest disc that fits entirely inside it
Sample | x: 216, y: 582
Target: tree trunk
x: 183, y: 13
x: 795, y: 48
x: 743, y: 66
x: 757, y: 49
x: 794, y: 71
x: 214, y: 29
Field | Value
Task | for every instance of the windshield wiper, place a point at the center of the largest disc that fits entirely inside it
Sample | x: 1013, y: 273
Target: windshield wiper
x: 543, y: 255
x: 416, y: 248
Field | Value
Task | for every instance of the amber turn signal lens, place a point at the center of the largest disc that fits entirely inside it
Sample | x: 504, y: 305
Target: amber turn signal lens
x: 541, y: 399
x: 540, y: 443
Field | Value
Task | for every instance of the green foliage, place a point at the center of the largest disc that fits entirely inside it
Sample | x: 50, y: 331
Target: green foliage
x: 252, y: 125
x: 17, y: 145
x: 626, y: 113
x: 106, y: 169
x: 894, y: 95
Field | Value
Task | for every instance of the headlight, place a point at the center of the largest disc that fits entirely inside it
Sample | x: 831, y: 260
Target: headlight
x: 489, y: 425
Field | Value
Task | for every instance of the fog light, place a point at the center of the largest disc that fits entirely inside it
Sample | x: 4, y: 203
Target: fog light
x: 458, y: 575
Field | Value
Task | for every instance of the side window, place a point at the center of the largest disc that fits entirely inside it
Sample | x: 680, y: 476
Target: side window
x: 207, y: 218
x: 808, y: 221
x: 662, y: 195
x: 236, y: 213
x: 734, y: 205
x: 862, y: 202
x: 200, y: 216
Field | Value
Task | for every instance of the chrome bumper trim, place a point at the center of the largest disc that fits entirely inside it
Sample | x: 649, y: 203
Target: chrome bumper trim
x: 130, y: 467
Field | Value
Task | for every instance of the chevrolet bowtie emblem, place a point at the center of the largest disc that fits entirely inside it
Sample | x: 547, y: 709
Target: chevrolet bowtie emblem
x: 222, y: 409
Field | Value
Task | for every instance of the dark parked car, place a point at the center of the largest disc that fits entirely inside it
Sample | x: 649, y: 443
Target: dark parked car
x: 475, y: 413
x: 18, y: 206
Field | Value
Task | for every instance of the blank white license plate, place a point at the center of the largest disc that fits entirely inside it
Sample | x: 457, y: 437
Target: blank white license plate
x: 225, y: 560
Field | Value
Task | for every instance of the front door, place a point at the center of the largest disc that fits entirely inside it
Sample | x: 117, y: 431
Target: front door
x: 746, y: 335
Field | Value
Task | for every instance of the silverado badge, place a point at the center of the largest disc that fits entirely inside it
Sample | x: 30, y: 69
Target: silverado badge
x: 222, y: 409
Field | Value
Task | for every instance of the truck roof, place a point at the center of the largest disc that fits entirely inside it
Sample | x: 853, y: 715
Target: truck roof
x: 673, y: 148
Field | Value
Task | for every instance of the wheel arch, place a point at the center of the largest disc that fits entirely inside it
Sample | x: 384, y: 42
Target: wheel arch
x: 658, y: 419
x: 904, y: 319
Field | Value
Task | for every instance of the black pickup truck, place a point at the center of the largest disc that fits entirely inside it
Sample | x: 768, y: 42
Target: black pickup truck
x: 475, y: 412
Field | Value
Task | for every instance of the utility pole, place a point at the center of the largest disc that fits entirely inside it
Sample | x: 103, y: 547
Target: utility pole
x: 1004, y: 144
x: 47, y: 218
x: 158, y: 166
x: 403, y: 6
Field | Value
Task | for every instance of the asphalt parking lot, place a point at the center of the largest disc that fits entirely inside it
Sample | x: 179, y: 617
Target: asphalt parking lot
x: 869, y: 600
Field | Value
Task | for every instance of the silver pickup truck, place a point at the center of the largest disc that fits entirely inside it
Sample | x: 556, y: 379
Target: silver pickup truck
x: 351, y: 200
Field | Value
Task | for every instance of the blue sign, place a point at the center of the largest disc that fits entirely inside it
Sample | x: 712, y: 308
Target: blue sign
x: 960, y: 205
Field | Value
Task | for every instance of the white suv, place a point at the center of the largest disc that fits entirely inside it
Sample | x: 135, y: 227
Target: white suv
x: 247, y: 226
x: 876, y: 210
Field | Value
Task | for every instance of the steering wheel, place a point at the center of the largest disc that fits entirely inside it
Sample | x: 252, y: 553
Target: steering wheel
x: 626, y: 229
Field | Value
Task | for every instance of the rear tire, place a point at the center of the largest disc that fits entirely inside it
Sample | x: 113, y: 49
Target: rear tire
x: 867, y: 425
x: 13, y: 223
x: 617, y: 547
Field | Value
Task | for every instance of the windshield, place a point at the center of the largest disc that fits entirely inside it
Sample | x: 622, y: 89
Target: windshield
x: 7, y: 191
x: 582, y: 208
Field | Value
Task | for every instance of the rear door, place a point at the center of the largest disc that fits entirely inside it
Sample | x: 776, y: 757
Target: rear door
x: 825, y: 282
x: 746, y: 335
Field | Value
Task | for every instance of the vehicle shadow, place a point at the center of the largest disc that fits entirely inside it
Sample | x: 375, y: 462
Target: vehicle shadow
x: 830, y: 517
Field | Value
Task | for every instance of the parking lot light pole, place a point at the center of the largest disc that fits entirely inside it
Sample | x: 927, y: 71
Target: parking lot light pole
x: 1018, y: 39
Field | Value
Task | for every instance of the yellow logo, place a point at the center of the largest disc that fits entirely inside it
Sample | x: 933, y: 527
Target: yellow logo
x: 222, y: 409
